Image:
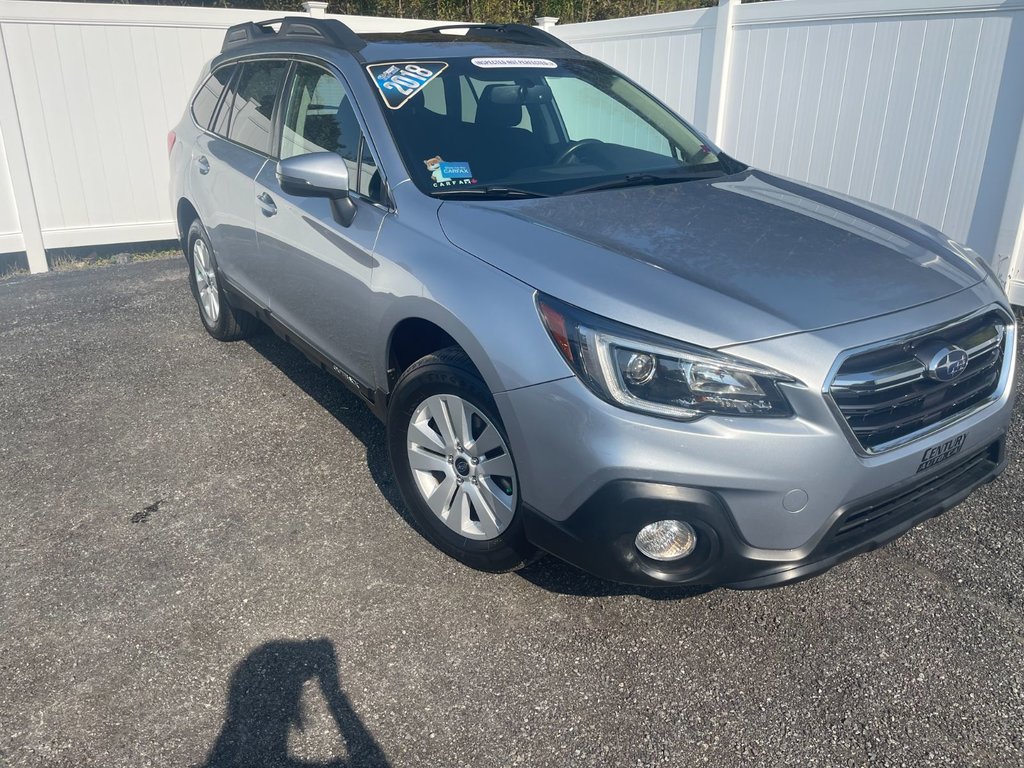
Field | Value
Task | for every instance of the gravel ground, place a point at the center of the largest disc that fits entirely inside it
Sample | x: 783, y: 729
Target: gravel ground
x: 201, y: 563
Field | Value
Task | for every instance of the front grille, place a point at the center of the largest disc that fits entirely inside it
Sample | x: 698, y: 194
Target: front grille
x: 886, y: 394
x: 869, y: 518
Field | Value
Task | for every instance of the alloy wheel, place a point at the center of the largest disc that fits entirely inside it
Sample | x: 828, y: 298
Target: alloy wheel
x: 462, y: 467
x: 206, y: 281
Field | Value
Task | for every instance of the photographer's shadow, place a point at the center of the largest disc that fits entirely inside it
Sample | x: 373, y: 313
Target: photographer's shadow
x: 265, y: 705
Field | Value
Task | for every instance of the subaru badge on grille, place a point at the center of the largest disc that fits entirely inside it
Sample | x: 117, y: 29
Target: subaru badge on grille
x: 947, y: 364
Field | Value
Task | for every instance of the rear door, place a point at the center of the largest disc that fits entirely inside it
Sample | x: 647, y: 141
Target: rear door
x: 227, y: 159
x: 321, y: 269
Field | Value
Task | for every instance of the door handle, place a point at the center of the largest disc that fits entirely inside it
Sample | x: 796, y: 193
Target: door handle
x: 267, y: 204
x: 204, y: 165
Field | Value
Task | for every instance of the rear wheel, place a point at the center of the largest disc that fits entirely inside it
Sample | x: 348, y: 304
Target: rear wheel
x: 451, y: 458
x: 220, y: 319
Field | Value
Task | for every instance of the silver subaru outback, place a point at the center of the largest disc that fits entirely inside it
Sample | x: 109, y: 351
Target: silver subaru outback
x: 588, y: 330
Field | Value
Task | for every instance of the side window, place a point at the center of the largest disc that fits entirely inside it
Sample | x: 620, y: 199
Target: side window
x: 252, y: 110
x: 319, y: 118
x: 206, y: 99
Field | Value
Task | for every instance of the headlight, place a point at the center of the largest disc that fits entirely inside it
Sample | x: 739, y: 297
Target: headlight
x: 647, y: 373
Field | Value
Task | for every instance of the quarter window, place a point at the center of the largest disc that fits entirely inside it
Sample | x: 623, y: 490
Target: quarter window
x: 222, y: 117
x: 252, y: 109
x: 206, y: 99
x: 319, y: 118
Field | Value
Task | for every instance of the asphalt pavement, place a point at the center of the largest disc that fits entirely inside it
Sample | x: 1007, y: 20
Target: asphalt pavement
x: 203, y: 562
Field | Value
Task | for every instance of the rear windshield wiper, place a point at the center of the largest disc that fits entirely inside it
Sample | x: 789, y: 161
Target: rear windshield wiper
x: 495, y: 192
x: 640, y: 179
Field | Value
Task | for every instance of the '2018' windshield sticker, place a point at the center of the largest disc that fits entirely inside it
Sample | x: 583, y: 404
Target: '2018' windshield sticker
x: 446, y: 174
x: 494, y: 63
x: 400, y: 81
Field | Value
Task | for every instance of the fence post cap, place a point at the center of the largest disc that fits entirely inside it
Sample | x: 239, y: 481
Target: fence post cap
x: 316, y: 8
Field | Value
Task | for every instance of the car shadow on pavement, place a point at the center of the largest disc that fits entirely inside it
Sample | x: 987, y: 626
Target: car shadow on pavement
x: 337, y: 400
x: 557, y: 576
x: 548, y: 573
x: 265, y: 705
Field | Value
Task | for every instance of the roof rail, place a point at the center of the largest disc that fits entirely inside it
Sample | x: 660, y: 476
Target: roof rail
x: 513, y: 33
x: 329, y: 31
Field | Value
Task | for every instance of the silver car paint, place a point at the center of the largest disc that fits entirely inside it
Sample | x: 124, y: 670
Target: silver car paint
x: 221, y: 179
x: 421, y: 275
x: 476, y: 277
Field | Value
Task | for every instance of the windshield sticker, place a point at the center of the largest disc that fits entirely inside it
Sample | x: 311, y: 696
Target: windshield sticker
x: 446, y: 174
x: 513, y: 62
x: 400, y: 81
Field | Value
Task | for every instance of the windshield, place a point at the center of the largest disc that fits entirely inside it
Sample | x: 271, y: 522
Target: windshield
x: 512, y: 127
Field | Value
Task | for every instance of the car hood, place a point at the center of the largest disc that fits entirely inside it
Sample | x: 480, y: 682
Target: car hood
x: 715, y: 262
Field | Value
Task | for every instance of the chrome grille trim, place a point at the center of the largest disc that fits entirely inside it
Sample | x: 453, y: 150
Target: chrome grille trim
x: 879, y: 379
x: 986, y: 341
x: 884, y: 378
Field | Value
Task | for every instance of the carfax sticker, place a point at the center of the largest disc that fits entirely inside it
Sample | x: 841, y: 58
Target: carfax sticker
x: 449, y: 174
x: 499, y: 63
x: 939, y: 453
x: 399, y: 81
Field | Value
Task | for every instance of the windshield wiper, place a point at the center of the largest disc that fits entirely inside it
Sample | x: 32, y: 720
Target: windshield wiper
x: 640, y: 179
x: 496, y: 192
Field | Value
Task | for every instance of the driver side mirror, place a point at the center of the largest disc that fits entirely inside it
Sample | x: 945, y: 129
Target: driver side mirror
x: 319, y: 174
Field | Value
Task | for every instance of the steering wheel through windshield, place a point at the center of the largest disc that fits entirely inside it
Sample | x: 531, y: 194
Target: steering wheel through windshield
x: 571, y: 150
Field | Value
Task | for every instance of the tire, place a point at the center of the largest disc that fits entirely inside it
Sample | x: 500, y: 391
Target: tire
x: 220, y: 319
x: 463, y: 497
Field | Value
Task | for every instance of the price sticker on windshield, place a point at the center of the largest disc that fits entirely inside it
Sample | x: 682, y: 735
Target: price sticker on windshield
x: 400, y: 81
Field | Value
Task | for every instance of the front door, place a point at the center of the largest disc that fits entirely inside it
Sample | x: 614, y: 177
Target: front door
x: 320, y: 286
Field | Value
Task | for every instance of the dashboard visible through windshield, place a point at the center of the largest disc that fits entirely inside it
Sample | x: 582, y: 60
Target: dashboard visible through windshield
x: 534, y: 127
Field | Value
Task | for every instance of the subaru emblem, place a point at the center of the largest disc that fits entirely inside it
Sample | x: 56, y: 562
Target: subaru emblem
x: 947, y: 364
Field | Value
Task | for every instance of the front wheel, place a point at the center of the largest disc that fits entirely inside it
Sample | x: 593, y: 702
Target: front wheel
x: 453, y: 465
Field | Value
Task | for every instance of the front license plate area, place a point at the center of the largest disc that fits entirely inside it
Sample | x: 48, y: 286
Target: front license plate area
x: 940, y: 453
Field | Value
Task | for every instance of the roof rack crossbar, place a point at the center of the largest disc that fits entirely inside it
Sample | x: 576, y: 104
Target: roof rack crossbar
x: 330, y: 31
x: 515, y: 33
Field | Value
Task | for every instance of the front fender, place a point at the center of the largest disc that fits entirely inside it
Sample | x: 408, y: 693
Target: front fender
x: 490, y: 314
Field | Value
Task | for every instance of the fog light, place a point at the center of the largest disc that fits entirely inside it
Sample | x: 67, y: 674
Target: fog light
x: 666, y: 540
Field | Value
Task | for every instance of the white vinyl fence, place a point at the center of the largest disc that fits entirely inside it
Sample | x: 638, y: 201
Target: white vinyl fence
x: 88, y: 93
x: 916, y: 105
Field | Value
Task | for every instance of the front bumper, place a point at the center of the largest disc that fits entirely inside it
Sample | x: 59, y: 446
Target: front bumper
x: 598, y: 537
